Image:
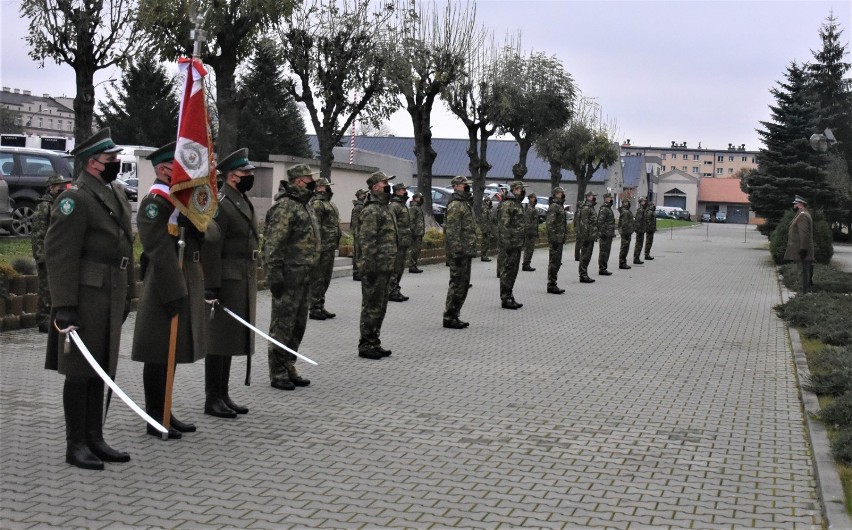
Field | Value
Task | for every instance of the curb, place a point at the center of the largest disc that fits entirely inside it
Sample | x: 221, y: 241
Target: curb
x: 827, y: 476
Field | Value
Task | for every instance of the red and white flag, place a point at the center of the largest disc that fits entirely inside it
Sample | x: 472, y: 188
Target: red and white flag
x: 193, y: 185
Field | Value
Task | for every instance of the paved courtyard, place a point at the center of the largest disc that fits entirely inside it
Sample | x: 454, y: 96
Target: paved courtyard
x: 660, y: 397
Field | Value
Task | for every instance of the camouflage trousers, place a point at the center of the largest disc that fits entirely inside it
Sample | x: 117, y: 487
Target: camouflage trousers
x: 604, y: 247
x: 637, y: 248
x: 374, y: 305
x: 649, y: 242
x: 414, y: 255
x: 529, y: 248
x: 459, y: 283
x: 586, y: 250
x: 625, y: 250
x: 289, y: 318
x: 356, y: 257
x: 487, y: 243
x: 509, y: 273
x: 501, y: 259
x: 398, y: 269
x: 554, y: 263
x: 321, y: 278
x: 43, y: 311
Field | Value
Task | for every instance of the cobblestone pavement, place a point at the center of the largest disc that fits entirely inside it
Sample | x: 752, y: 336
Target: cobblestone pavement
x: 659, y: 397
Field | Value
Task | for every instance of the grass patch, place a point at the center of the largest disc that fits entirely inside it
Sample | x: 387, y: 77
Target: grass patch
x: 15, y: 247
x: 665, y: 224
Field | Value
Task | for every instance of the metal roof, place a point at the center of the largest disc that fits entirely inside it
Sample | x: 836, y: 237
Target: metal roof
x: 453, y: 160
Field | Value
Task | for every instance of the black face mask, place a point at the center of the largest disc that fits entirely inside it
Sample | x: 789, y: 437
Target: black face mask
x: 521, y: 194
x: 386, y: 189
x: 311, y: 185
x: 466, y: 188
x: 110, y: 171
x: 245, y: 183
x: 329, y: 193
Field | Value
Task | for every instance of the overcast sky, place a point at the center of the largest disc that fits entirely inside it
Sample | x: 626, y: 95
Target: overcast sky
x: 685, y: 71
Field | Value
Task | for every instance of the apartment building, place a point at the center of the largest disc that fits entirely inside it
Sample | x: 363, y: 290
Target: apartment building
x: 40, y: 115
x: 700, y: 161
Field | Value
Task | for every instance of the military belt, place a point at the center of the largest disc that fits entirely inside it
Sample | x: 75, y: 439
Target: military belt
x: 120, y: 262
x: 196, y: 256
x: 251, y: 256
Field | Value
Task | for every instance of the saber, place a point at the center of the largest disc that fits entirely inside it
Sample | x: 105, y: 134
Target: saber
x: 71, y: 332
x: 265, y: 336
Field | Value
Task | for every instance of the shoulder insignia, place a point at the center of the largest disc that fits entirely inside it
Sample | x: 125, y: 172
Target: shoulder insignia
x: 221, y: 196
x: 152, y: 211
x: 66, y: 206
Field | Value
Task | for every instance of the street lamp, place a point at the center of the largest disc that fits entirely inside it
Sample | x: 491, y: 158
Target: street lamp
x: 821, y: 142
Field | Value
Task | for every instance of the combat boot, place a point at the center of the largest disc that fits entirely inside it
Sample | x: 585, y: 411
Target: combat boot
x: 282, y: 384
x: 553, y: 289
x: 414, y: 270
x: 637, y: 262
x: 454, y: 323
x: 295, y: 378
x: 624, y: 266
x: 604, y: 272
x: 647, y: 257
x: 94, y: 425
x: 316, y: 314
x: 370, y: 353
x: 527, y: 267
x: 586, y: 279
x: 510, y: 304
x: 77, y: 452
x: 327, y: 314
x: 384, y: 352
x: 397, y: 297
x: 223, y: 386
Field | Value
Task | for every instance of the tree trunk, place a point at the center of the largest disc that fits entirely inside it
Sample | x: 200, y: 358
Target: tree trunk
x: 326, y: 153
x: 519, y: 170
x: 227, y: 105
x: 484, y: 166
x: 473, y: 166
x: 555, y: 174
x: 422, y: 121
x: 84, y: 103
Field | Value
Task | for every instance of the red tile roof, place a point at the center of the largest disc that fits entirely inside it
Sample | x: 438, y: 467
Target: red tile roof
x: 721, y: 190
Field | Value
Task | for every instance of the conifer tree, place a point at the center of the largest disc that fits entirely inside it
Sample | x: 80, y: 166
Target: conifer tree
x: 142, y: 108
x: 269, y: 121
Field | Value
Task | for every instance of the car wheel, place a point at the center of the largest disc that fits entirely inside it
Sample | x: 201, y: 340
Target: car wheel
x: 22, y: 218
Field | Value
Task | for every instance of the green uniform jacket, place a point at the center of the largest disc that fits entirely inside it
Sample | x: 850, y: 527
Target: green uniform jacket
x: 291, y: 234
x: 557, y: 223
x: 328, y: 218
x: 41, y: 221
x: 460, y: 228
x: 649, y: 220
x: 587, y: 223
x: 512, y: 224
x: 639, y: 221
x: 418, y: 223
x: 357, y: 206
x: 606, y: 222
x: 625, y: 222
x: 89, y: 257
x: 530, y: 221
x: 166, y: 281
x: 403, y: 221
x: 800, y: 236
x: 377, y: 235
x: 230, y: 265
x: 486, y: 225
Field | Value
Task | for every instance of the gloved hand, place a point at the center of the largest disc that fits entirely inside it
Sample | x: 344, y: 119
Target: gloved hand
x: 66, y: 317
x: 276, y: 288
x: 126, y: 310
x: 172, y: 307
x: 803, y: 253
x: 211, y: 294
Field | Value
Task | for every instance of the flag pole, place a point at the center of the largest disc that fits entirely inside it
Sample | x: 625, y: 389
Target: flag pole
x: 170, y: 362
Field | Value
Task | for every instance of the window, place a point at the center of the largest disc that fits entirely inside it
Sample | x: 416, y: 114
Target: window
x: 708, y: 162
x: 683, y: 168
x: 745, y: 159
x: 730, y: 170
x: 7, y: 164
x: 695, y: 169
x: 40, y: 124
x: 730, y: 158
x: 664, y: 168
x: 719, y: 171
x: 720, y: 158
x: 695, y: 157
x: 707, y: 174
x: 752, y: 160
x: 50, y: 123
x: 59, y: 123
x: 36, y: 165
x: 686, y: 157
x: 663, y: 156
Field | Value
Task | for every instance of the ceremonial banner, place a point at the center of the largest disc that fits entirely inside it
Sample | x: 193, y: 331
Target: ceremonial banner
x: 193, y: 185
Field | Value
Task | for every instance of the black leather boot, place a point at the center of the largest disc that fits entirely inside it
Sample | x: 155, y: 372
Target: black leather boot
x: 94, y: 424
x: 77, y: 452
x: 226, y: 376
x: 154, y: 382
x: 214, y: 404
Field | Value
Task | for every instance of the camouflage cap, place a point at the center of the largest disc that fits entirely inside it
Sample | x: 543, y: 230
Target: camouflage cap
x: 324, y: 182
x: 57, y: 179
x: 516, y: 184
x: 300, y: 170
x: 461, y: 181
x: 607, y: 195
x: 557, y: 189
x: 377, y: 177
x: 100, y: 142
x: 590, y: 194
x: 532, y: 196
x: 643, y: 199
x: 652, y: 205
x: 398, y: 186
x: 417, y: 195
x: 360, y: 193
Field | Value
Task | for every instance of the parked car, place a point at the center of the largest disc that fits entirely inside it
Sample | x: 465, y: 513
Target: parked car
x: 131, y: 188
x: 683, y: 215
x: 721, y: 217
x: 440, y: 200
x: 26, y: 172
x: 662, y: 214
x: 5, y: 206
x: 706, y: 217
x: 541, y: 205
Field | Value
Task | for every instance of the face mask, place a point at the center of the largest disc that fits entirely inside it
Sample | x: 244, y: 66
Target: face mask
x: 329, y: 193
x: 386, y: 189
x: 466, y: 188
x: 521, y: 194
x: 311, y: 185
x: 110, y: 171
x: 245, y: 183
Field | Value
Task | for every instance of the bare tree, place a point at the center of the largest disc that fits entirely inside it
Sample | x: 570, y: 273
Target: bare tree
x: 86, y: 35
x: 233, y: 28
x: 336, y: 51
x: 534, y: 95
x: 430, y: 48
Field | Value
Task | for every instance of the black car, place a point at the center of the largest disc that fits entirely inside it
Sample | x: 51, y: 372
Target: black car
x: 131, y: 188
x: 26, y: 172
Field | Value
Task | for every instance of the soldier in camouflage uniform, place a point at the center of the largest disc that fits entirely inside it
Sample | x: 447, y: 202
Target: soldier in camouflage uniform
x: 650, y: 224
x: 587, y: 234
x: 574, y: 223
x: 460, y: 242
x: 557, y: 232
x: 418, y: 230
x: 357, y: 206
x: 378, y: 238
x: 625, y: 229
x: 329, y: 222
x: 639, y: 227
x: 606, y: 229
x: 510, y: 234
x: 41, y: 220
x: 403, y: 240
x: 291, y: 250
x: 530, y: 231
x: 487, y: 218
